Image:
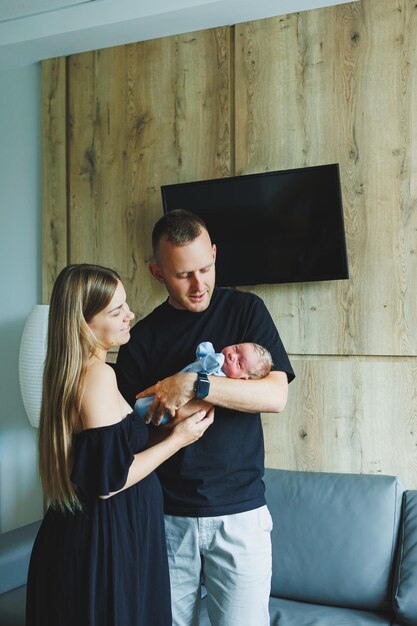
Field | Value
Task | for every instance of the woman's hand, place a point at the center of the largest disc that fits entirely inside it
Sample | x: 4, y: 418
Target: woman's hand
x: 170, y: 394
x: 192, y: 428
x: 187, y: 410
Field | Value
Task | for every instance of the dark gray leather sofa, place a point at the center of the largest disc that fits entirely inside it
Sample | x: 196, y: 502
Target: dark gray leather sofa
x: 344, y: 553
x: 344, y: 550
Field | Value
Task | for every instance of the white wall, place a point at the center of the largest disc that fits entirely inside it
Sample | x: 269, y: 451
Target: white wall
x: 20, y: 280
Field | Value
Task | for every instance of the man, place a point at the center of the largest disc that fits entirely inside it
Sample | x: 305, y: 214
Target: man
x: 217, y: 524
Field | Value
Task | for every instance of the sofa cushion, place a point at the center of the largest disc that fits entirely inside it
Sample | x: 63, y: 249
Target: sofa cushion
x: 405, y: 582
x: 15, y: 549
x: 289, y: 613
x: 13, y: 607
x: 334, y: 537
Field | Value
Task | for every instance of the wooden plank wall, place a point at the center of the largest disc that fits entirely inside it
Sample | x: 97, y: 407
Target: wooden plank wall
x: 142, y: 115
x: 54, y: 173
x: 331, y: 85
x: 340, y: 85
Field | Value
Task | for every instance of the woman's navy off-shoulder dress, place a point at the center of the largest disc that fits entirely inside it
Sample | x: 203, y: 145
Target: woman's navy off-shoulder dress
x: 105, y: 565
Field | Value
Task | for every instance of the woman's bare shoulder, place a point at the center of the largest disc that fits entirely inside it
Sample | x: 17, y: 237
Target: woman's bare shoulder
x: 99, y: 372
x: 100, y: 405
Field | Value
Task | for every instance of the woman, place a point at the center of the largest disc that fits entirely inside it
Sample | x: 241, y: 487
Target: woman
x: 99, y: 558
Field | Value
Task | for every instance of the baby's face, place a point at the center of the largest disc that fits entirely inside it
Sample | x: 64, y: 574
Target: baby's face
x: 239, y: 360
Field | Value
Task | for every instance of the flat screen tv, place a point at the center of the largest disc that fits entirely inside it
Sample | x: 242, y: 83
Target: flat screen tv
x: 274, y: 227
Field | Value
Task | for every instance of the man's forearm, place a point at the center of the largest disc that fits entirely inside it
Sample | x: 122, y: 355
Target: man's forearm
x: 267, y: 395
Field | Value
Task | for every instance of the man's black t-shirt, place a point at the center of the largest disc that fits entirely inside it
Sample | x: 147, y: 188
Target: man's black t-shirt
x: 221, y: 473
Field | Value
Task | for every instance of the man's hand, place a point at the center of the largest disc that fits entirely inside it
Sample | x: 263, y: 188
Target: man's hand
x: 170, y: 394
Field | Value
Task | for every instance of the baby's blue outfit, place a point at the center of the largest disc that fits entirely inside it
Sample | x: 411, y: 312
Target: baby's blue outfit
x: 207, y: 362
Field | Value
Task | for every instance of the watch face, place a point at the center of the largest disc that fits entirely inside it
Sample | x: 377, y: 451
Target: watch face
x: 202, y: 386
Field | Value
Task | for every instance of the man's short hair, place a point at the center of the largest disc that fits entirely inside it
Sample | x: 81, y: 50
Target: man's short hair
x: 179, y: 227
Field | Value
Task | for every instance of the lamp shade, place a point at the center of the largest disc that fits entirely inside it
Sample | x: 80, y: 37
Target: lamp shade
x: 32, y: 359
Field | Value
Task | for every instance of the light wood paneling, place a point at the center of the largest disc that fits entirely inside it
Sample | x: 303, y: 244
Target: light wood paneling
x: 54, y: 177
x: 97, y: 157
x: 142, y: 115
x: 339, y: 85
x: 330, y: 85
x: 348, y: 415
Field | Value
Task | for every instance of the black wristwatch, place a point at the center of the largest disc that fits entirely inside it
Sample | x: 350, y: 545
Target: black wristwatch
x: 201, y: 386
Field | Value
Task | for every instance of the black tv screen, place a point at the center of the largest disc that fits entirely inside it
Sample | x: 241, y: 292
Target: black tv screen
x: 275, y: 227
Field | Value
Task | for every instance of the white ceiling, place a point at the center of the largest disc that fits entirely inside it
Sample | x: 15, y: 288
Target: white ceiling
x: 14, y: 9
x: 32, y: 30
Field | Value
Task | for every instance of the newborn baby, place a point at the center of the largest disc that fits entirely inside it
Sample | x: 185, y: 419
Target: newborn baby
x: 242, y: 360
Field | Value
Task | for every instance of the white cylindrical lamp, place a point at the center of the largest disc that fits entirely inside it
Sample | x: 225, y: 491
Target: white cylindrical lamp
x: 32, y: 359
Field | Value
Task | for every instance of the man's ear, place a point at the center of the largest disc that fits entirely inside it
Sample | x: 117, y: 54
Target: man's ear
x: 156, y: 272
x: 214, y: 251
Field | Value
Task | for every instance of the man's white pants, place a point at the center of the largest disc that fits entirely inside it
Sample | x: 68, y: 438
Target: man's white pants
x: 231, y: 555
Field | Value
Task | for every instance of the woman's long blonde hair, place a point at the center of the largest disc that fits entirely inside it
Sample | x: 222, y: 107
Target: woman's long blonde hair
x: 79, y: 293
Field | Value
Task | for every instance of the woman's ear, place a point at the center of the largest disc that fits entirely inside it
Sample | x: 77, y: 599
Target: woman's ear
x: 156, y: 272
